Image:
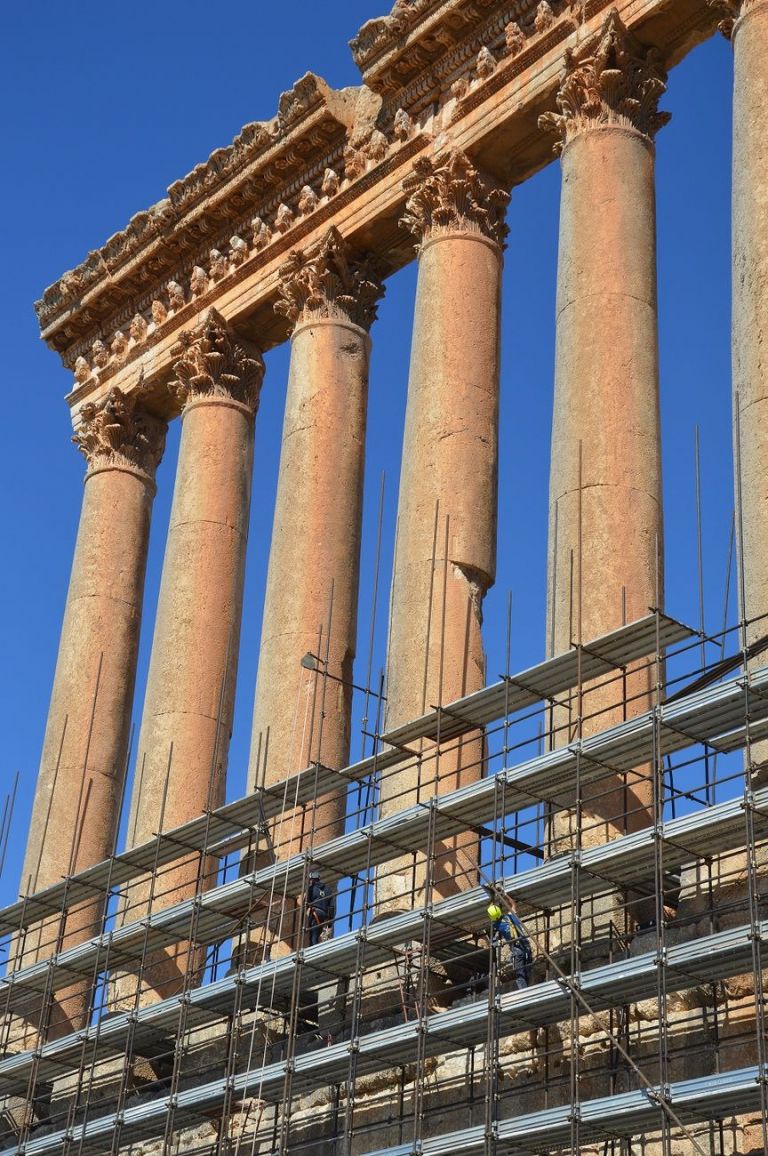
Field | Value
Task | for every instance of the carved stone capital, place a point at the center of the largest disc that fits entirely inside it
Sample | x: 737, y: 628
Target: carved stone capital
x: 730, y: 11
x: 334, y: 283
x: 118, y: 432
x: 211, y: 362
x: 448, y: 194
x: 619, y: 82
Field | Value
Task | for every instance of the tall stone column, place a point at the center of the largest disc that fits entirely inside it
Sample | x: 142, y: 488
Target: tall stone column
x: 746, y: 22
x: 605, y: 530
x: 82, y: 769
x: 188, y: 707
x: 303, y: 714
x: 445, y: 552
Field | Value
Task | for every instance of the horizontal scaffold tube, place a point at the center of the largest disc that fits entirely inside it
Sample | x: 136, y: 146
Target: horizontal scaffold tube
x: 229, y: 828
x: 623, y: 862
x: 714, y: 716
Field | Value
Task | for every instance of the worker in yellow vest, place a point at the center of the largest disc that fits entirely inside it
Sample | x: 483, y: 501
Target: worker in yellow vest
x: 507, y: 930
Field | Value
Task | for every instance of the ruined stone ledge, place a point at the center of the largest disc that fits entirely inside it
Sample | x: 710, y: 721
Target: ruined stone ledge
x: 118, y: 323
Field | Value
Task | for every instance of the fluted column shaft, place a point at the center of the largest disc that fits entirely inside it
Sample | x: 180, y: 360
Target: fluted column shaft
x: 300, y: 715
x: 188, y: 707
x: 605, y: 528
x: 445, y: 553
x: 750, y: 308
x: 82, y: 769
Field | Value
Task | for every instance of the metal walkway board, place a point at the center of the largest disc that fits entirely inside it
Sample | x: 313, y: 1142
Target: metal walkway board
x: 229, y: 827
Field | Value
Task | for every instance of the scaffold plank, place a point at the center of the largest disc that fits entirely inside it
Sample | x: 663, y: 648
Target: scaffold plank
x: 622, y: 1115
x: 606, y: 655
x: 546, y: 777
x: 623, y: 861
x: 714, y: 957
x: 230, y: 827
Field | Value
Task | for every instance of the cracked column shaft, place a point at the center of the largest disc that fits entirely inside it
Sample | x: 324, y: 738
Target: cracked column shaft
x: 314, y: 563
x: 188, y: 706
x: 82, y: 769
x: 750, y: 309
x: 605, y: 530
x: 445, y: 553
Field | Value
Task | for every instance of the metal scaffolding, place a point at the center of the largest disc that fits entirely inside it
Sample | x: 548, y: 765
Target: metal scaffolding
x: 406, y: 1032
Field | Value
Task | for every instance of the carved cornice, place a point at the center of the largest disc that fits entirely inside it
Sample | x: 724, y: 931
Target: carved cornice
x: 619, y: 82
x: 334, y: 283
x: 265, y: 154
x: 212, y: 362
x: 120, y: 433
x: 448, y: 194
x: 391, y: 51
x: 233, y: 221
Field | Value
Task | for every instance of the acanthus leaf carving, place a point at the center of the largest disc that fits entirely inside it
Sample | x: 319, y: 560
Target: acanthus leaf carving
x: 119, y: 432
x: 219, y: 266
x: 449, y: 194
x: 82, y: 370
x: 402, y: 125
x: 238, y: 250
x: 620, y: 82
x: 262, y: 234
x: 308, y: 201
x: 333, y: 283
x: 514, y: 38
x: 485, y: 64
x: 212, y: 362
x: 331, y: 183
x: 198, y: 281
x: 176, y: 298
x: 138, y: 328
x: 544, y: 18
x: 284, y: 218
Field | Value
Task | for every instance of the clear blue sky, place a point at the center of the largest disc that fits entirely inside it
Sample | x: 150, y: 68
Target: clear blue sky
x: 105, y: 105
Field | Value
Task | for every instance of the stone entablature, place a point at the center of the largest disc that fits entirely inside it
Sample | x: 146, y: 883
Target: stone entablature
x: 431, y: 36
x: 328, y: 159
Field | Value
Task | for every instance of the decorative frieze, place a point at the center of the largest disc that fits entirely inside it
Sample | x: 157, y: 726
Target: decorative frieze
x: 119, y: 432
x: 310, y: 116
x: 259, y: 198
x: 334, y: 283
x: 211, y: 362
x: 449, y: 194
x: 618, y: 82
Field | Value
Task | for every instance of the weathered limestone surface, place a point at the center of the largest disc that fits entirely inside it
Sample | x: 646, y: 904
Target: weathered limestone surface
x: 312, y: 584
x: 187, y: 719
x: 750, y: 307
x: 605, y: 532
x: 445, y: 550
x: 83, y: 763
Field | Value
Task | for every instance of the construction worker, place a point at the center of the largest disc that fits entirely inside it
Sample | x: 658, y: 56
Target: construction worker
x: 321, y: 909
x: 507, y: 929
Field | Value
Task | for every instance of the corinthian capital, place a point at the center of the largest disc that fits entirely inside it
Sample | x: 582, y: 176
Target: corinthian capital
x: 119, y: 432
x: 449, y: 194
x: 212, y: 363
x: 730, y: 10
x: 620, y: 82
x: 334, y: 283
